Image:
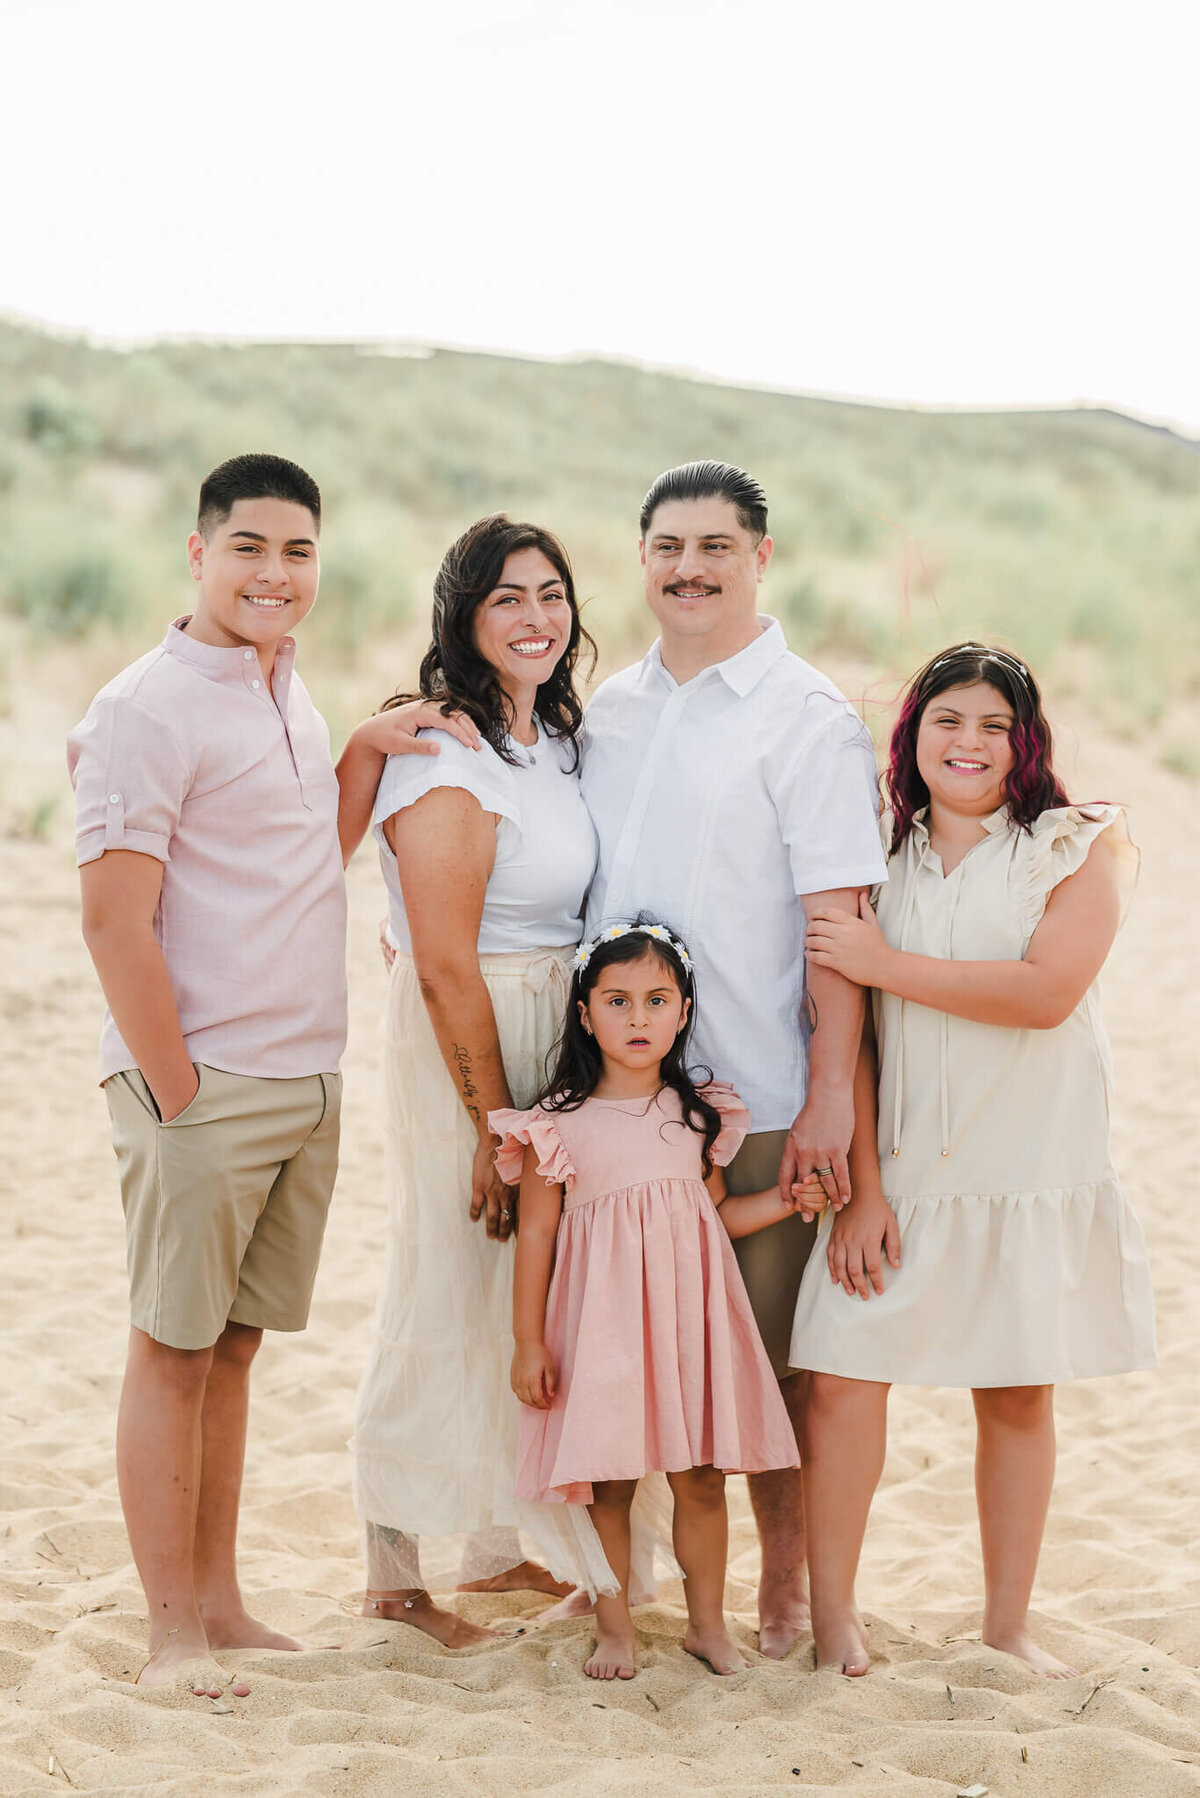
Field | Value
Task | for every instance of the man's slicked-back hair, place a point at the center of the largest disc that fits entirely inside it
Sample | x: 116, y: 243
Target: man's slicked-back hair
x: 711, y: 480
x: 254, y: 477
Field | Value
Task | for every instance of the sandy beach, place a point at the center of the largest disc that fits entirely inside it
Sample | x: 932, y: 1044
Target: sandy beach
x: 378, y: 1709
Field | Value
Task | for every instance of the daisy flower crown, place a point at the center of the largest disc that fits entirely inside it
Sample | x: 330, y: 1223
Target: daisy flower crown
x: 659, y: 932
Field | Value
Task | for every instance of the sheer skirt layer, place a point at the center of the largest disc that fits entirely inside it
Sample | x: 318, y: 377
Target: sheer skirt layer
x: 434, y: 1449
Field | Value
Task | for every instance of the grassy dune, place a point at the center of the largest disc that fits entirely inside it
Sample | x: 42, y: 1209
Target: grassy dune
x: 1072, y: 536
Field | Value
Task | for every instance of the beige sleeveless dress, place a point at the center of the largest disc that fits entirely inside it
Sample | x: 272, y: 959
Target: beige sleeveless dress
x: 1021, y: 1262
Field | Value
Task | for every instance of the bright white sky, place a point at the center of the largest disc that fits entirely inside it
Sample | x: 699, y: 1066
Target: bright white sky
x: 941, y: 201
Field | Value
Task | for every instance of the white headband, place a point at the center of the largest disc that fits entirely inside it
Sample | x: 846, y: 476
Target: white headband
x: 659, y: 932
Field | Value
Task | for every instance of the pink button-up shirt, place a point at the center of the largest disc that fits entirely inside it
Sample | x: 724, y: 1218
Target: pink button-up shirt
x: 189, y: 756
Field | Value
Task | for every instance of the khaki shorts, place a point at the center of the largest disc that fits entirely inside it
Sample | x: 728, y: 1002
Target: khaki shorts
x: 772, y: 1260
x: 224, y: 1205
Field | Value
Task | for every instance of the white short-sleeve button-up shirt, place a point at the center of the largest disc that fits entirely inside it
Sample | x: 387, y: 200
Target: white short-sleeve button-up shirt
x: 718, y: 804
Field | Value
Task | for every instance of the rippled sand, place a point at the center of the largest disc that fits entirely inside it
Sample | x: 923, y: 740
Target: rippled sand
x: 381, y: 1711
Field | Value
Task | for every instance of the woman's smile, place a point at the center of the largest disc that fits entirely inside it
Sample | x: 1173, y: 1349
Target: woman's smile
x: 533, y: 647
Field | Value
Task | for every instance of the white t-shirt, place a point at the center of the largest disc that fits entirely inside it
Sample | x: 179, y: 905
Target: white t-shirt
x: 717, y: 804
x: 545, y: 844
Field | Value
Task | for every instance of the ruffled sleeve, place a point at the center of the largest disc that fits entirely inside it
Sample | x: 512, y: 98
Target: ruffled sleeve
x: 521, y: 1129
x: 735, y: 1121
x: 480, y: 772
x: 1059, y: 846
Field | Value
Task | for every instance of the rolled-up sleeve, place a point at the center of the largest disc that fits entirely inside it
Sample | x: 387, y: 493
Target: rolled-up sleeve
x: 827, y: 798
x: 130, y: 778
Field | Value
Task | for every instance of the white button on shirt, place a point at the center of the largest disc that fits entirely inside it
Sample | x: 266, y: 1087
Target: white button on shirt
x: 718, y: 804
x: 237, y: 797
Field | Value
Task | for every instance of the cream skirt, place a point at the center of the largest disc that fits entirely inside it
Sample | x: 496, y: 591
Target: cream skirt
x: 436, y: 1421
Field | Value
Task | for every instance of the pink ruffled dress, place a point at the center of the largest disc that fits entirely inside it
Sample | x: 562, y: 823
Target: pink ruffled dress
x: 660, y: 1363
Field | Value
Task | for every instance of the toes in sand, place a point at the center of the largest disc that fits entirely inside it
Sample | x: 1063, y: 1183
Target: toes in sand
x: 716, y: 1649
x: 784, y: 1616
x: 841, y: 1645
x: 612, y: 1657
x: 194, y: 1673
x: 1021, y: 1644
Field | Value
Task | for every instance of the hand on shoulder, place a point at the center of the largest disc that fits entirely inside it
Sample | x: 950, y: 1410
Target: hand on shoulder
x: 394, y: 732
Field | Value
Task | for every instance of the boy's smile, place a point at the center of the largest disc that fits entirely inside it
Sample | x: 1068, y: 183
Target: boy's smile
x: 258, y: 572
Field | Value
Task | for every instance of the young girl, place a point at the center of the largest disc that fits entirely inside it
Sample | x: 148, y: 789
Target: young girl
x: 1022, y: 1264
x: 636, y: 1351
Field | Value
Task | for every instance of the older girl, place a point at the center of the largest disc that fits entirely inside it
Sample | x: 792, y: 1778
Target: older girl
x: 989, y: 1236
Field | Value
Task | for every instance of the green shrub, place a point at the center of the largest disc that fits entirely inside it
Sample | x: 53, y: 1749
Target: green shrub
x: 1070, y: 536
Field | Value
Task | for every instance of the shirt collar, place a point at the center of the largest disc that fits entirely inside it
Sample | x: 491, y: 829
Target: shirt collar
x: 993, y: 823
x: 226, y: 665
x: 741, y: 672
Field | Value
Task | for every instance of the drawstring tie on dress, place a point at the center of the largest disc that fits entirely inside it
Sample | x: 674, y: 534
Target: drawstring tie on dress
x: 548, y: 966
x: 943, y: 1026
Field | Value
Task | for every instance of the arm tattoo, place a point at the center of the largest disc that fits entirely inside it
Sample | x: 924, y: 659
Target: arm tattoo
x: 462, y: 1062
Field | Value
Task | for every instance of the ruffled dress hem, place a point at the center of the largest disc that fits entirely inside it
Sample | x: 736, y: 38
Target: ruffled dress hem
x: 993, y: 1290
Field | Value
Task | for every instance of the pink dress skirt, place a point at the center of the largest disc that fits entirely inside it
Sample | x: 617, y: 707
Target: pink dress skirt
x: 660, y: 1363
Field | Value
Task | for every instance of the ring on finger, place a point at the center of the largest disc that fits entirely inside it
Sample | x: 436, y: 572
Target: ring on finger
x: 505, y: 1214
x: 822, y: 1170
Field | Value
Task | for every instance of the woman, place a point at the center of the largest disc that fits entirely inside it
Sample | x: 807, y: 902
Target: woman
x: 487, y: 855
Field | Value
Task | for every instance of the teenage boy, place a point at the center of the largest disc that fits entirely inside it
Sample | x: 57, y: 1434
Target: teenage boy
x: 214, y: 910
x: 733, y: 790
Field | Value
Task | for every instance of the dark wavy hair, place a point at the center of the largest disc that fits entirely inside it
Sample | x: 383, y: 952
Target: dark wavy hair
x: 1031, y: 785
x: 452, y: 669
x: 578, y: 1064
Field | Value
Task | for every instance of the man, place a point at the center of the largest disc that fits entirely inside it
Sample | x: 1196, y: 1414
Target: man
x: 733, y: 791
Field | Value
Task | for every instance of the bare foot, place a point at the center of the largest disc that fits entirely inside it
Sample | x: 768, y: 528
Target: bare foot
x: 783, y: 1617
x: 527, y: 1576
x: 841, y: 1644
x: 238, y: 1629
x: 715, y: 1647
x: 420, y: 1611
x: 612, y: 1657
x: 1022, y: 1644
x: 180, y: 1659
x: 578, y: 1604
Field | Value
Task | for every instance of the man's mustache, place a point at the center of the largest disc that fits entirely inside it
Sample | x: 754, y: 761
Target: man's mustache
x: 690, y: 587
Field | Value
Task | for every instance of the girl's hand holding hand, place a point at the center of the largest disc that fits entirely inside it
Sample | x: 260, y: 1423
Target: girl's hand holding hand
x: 490, y: 1196
x: 394, y: 732
x: 861, y: 1234
x: 852, y: 946
x: 534, y: 1377
x: 809, y: 1198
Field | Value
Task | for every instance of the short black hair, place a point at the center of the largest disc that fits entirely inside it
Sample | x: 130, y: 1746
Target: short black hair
x: 254, y: 477
x: 711, y: 480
